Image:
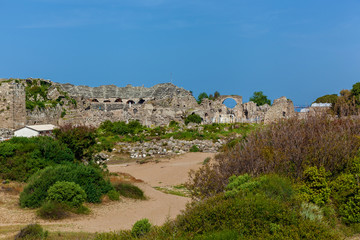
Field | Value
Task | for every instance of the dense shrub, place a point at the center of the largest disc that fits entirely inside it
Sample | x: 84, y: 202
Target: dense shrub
x: 130, y: 191
x: 68, y: 193
x: 345, y: 192
x: 32, y: 231
x: 89, y: 178
x: 53, y: 210
x: 80, y: 139
x: 22, y: 157
x: 113, y: 195
x: 122, y: 128
x: 222, y: 235
x: 193, y: 118
x: 315, y: 187
x: 286, y: 148
x: 252, y: 215
x: 141, y: 227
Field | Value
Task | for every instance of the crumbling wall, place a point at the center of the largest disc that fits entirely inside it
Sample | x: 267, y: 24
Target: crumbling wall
x: 154, y: 106
x: 12, y: 104
x: 282, y: 108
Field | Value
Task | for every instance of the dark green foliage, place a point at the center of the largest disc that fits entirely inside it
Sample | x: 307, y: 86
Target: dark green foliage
x: 63, y: 113
x: 122, y: 128
x: 330, y: 98
x: 22, y: 157
x: 222, y: 235
x: 89, y: 178
x: 315, y: 187
x: 173, y: 124
x: 355, y: 91
x: 53, y: 210
x: 130, y: 191
x: 346, y: 193
x: 201, y: 97
x: 194, y: 148
x: 141, y: 228
x: 193, y: 118
x: 32, y: 231
x: 81, y: 140
x: 68, y: 193
x: 113, y: 195
x: 260, y: 99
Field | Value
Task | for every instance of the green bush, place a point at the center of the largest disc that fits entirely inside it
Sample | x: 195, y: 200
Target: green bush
x: 193, y: 118
x: 22, y: 157
x: 262, y: 208
x: 53, y: 210
x: 32, y: 231
x: 113, y: 195
x: 80, y: 139
x: 222, y: 235
x: 315, y: 188
x: 141, y: 228
x: 68, y: 193
x: 89, y: 178
x: 194, y: 148
x: 130, y: 191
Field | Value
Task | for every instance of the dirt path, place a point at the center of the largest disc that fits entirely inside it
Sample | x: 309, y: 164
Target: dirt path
x: 112, y: 216
x: 168, y: 172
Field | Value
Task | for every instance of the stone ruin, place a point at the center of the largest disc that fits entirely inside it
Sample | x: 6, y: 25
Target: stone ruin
x: 154, y: 106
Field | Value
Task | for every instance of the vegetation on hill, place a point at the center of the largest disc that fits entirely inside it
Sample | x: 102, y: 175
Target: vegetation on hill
x: 210, y: 97
x: 36, y: 92
x: 110, y: 132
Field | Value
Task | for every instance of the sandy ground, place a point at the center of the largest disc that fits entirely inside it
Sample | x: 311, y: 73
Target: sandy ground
x: 112, y: 216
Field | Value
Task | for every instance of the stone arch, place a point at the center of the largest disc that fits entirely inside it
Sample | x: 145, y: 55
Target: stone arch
x: 141, y: 101
x: 94, y: 100
x: 229, y: 101
x: 118, y: 100
x: 130, y: 102
x: 107, y: 100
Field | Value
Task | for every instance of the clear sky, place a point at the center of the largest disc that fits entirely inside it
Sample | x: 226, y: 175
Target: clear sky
x: 301, y: 49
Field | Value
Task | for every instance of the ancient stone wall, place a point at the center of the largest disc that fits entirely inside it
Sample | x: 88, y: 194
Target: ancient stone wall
x: 281, y: 108
x: 154, y: 106
x: 12, y: 104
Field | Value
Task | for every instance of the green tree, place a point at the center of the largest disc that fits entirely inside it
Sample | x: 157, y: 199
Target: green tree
x: 329, y: 98
x: 201, y: 97
x: 81, y: 140
x: 260, y: 99
x: 355, y: 91
x: 216, y: 94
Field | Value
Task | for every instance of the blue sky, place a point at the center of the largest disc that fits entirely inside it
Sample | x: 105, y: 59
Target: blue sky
x: 300, y: 49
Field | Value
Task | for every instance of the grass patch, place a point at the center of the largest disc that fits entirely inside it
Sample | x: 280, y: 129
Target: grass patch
x: 129, y: 191
x: 178, y: 190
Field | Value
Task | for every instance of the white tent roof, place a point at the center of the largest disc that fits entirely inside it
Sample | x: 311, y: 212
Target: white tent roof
x: 41, y: 128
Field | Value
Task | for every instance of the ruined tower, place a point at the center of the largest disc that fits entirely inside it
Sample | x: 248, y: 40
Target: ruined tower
x: 12, y: 104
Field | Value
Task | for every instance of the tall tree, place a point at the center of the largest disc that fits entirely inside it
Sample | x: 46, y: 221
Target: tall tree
x: 201, y: 97
x: 260, y: 99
